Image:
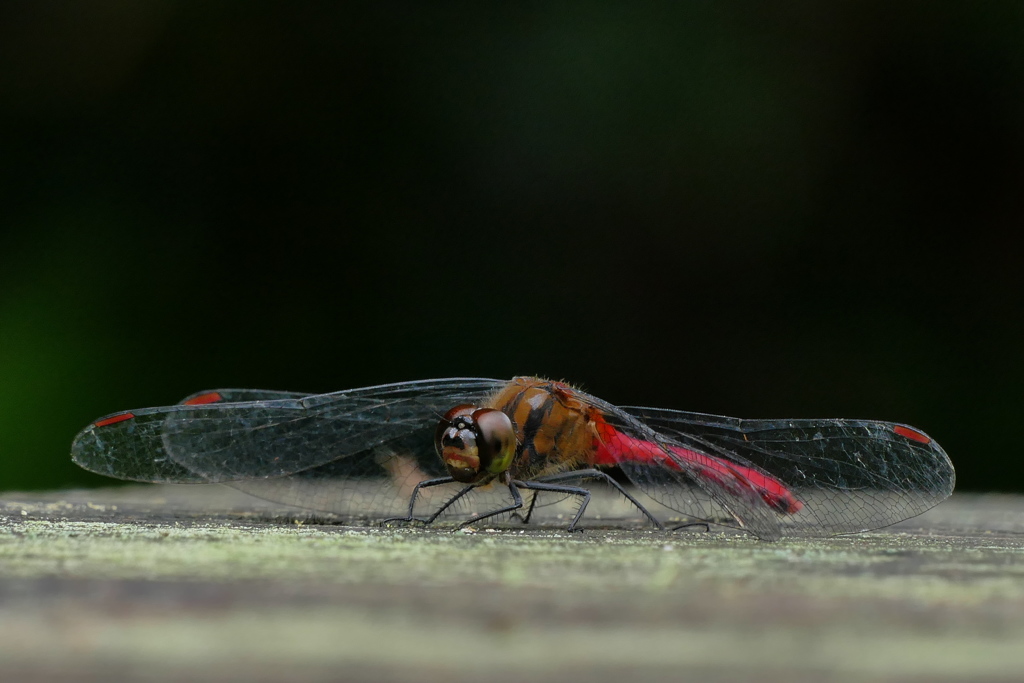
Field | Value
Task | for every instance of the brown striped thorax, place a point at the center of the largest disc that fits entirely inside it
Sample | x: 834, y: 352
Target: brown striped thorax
x: 531, y: 428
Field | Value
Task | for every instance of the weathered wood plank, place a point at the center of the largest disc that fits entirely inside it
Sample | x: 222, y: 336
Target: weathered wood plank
x: 182, y: 582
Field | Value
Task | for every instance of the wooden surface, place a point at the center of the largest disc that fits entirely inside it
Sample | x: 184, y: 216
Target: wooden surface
x: 202, y: 583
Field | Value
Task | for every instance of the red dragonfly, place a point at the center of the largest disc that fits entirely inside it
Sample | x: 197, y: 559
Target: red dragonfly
x: 352, y: 449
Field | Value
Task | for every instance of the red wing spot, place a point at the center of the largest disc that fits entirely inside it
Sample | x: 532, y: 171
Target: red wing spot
x: 201, y: 399
x: 912, y: 434
x: 114, y: 419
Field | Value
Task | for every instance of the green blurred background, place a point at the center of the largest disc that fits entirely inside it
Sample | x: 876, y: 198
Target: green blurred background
x: 788, y: 210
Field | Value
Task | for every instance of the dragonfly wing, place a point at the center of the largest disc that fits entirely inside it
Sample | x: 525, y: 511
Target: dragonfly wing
x: 129, y: 445
x: 238, y: 396
x: 376, y: 482
x: 849, y: 475
x: 237, y: 441
x: 336, y: 486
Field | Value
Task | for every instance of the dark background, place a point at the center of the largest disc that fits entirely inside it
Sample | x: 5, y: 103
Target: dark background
x: 798, y: 210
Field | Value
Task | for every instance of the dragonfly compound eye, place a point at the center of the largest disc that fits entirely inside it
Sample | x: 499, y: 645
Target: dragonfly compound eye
x: 456, y: 442
x: 496, y: 440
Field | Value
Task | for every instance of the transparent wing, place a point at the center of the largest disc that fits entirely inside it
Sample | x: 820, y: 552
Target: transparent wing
x: 352, y: 485
x: 315, y: 451
x: 239, y: 396
x: 846, y: 475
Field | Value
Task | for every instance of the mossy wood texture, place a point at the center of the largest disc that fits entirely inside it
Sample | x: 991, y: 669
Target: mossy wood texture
x: 174, y: 583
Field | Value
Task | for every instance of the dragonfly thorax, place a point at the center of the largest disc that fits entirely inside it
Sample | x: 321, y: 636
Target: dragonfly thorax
x: 475, y: 444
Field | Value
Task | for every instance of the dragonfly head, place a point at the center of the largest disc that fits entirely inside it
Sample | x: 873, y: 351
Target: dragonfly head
x: 475, y: 444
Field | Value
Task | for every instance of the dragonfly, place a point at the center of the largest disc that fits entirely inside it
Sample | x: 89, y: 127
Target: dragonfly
x: 364, y: 449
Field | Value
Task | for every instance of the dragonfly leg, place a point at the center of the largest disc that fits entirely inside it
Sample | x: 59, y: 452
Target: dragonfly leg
x: 517, y: 503
x: 412, y: 501
x: 448, y: 503
x: 571, y: 490
x: 687, y: 525
x: 598, y: 474
x: 529, y: 511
